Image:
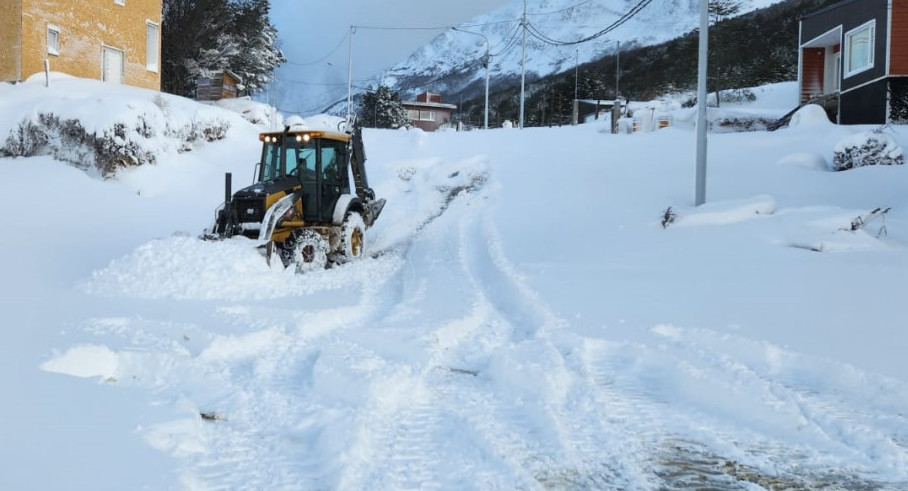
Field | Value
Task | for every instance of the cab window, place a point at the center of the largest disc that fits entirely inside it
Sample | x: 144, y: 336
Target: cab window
x: 271, y: 164
x: 301, y: 161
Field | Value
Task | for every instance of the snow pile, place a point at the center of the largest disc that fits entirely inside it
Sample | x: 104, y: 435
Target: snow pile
x: 811, y: 115
x: 323, y: 122
x: 129, y: 127
x: 257, y: 113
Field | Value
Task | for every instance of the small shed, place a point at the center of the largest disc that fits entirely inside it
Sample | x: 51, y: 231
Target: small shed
x: 223, y: 85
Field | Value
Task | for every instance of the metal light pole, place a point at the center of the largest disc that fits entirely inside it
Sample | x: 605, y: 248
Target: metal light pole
x: 523, y: 64
x: 700, y: 192
x: 487, y: 63
x: 576, y: 71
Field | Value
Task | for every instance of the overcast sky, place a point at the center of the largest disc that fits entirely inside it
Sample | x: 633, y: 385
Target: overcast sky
x: 314, y: 37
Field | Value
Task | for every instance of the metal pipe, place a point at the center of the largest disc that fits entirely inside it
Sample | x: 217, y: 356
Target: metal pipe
x: 228, y: 193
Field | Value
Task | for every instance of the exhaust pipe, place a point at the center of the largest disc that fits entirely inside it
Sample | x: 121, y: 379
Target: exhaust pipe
x: 227, y: 189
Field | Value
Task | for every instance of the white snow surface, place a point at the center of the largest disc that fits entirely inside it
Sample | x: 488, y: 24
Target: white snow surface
x: 524, y: 320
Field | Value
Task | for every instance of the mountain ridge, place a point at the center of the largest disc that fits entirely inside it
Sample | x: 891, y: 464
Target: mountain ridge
x: 453, y: 60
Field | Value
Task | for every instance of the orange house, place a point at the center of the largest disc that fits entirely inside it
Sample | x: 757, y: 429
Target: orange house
x: 117, y: 41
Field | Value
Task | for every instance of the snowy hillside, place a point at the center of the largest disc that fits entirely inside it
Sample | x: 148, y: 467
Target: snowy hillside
x: 524, y: 321
x: 454, y: 59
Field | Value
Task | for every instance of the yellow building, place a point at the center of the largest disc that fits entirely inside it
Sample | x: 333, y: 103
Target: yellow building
x: 118, y: 41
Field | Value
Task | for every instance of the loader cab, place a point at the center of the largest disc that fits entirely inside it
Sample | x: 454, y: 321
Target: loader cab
x: 315, y: 160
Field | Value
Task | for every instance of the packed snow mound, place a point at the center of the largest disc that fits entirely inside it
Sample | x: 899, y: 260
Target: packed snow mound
x: 810, y: 115
x: 728, y: 212
x: 85, y: 361
x: 262, y: 115
x: 41, y: 77
x: 804, y: 159
x: 318, y: 122
x: 157, y: 269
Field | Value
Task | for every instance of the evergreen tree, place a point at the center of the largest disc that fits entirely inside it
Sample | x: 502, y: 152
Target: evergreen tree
x: 189, y: 27
x: 204, y: 37
x: 258, y: 55
x: 382, y: 108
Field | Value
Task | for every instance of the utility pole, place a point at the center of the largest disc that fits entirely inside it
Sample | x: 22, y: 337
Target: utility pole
x: 700, y: 189
x: 617, y: 68
x: 576, y: 71
x: 523, y: 64
x: 575, y: 114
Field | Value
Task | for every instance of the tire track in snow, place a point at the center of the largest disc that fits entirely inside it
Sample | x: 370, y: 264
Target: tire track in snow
x: 398, y: 437
x: 399, y: 443
x: 632, y: 419
x: 776, y: 420
x: 407, y: 430
x: 260, y: 440
x: 400, y: 430
x: 564, y: 415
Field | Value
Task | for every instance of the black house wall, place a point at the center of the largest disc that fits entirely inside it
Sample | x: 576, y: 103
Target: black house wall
x: 866, y: 105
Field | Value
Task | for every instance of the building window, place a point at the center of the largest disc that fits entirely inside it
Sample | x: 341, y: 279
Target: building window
x: 53, y: 40
x: 859, y: 49
x: 427, y: 115
x: 151, y: 47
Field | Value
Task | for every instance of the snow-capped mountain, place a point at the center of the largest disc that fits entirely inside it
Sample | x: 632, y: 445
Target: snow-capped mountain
x: 454, y: 59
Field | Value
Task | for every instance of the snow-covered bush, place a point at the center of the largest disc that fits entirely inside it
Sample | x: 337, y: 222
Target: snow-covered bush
x: 105, y: 149
x: 869, y: 148
x: 24, y: 140
x: 740, y: 122
x: 738, y: 95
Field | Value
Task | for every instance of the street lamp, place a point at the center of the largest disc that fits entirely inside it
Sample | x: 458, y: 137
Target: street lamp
x: 700, y: 179
x: 487, y: 63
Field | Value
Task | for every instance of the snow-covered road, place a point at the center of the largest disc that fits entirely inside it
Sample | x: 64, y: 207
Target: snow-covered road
x: 434, y: 364
x: 502, y: 335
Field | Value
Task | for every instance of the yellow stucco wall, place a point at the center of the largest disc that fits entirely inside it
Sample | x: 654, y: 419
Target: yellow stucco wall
x: 10, y: 38
x: 85, y: 28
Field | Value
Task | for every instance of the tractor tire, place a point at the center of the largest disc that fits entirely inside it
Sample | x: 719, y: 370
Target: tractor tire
x: 306, y: 251
x: 353, y: 237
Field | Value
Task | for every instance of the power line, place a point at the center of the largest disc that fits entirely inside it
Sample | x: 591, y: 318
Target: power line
x: 510, y: 42
x: 394, y: 28
x: 561, y: 10
x: 490, y: 23
x: 316, y: 62
x: 534, y: 31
